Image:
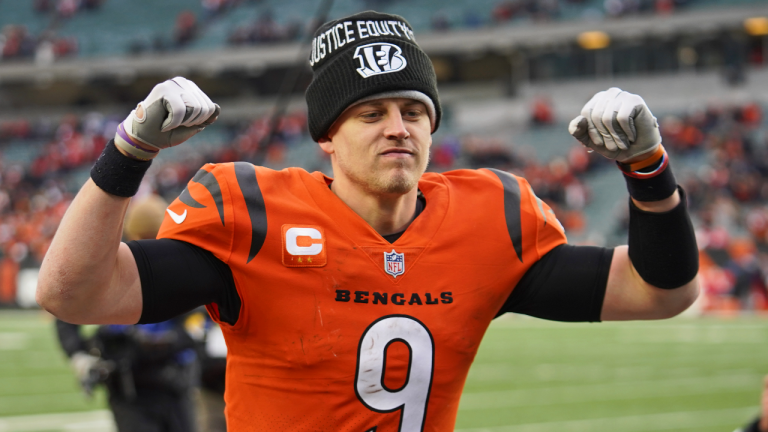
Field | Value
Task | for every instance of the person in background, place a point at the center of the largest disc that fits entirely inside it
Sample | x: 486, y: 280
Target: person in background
x: 212, y: 354
x: 150, y: 371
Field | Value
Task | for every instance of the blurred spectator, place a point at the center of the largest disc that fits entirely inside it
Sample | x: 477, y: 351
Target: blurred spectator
x: 488, y: 152
x: 212, y: 8
x: 665, y: 7
x: 544, y: 10
x: 265, y: 30
x: 16, y: 42
x: 747, y: 278
x: 440, y: 22
x: 63, y: 47
x: 9, y: 270
x: 44, y: 53
x: 504, y: 11
x: 445, y: 153
x: 538, y: 10
x: 185, y: 30
x: 67, y: 8
x: 542, y: 112
x: 42, y: 6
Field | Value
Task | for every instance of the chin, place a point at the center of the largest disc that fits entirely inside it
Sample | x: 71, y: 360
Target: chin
x: 400, y: 183
x: 393, y: 181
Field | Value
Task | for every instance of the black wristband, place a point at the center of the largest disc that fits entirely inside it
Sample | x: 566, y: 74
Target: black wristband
x: 654, y: 188
x: 662, y: 246
x: 116, y: 173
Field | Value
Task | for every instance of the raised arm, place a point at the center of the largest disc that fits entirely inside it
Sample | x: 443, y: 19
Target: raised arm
x: 654, y: 276
x: 88, y: 276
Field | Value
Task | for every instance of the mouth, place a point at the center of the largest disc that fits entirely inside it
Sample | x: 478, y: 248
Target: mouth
x: 397, y: 152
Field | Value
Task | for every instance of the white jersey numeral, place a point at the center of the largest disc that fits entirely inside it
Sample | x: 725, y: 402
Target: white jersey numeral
x: 413, y: 396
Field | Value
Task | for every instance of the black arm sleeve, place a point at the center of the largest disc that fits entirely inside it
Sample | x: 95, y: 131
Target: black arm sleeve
x: 566, y: 284
x: 662, y: 245
x: 69, y: 337
x: 177, y: 277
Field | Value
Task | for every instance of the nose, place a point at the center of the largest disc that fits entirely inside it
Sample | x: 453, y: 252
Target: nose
x: 395, y: 127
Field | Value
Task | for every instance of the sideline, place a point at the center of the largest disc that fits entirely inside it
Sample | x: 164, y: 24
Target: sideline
x: 638, y: 423
x: 86, y: 421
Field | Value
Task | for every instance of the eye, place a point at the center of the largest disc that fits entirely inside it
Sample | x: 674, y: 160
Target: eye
x: 370, y: 115
x: 412, y: 114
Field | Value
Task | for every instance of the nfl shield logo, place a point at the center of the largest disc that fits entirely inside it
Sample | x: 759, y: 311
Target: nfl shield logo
x: 394, y: 263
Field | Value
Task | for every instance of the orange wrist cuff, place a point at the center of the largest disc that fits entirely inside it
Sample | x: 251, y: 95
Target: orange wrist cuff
x: 645, y: 163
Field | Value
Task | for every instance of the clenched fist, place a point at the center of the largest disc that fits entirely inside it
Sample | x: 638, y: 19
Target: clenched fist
x: 618, y: 125
x: 173, y: 112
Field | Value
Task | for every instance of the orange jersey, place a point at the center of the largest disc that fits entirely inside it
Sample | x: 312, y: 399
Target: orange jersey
x: 340, y: 330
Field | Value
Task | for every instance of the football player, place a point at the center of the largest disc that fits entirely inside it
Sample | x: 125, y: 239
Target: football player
x: 358, y: 302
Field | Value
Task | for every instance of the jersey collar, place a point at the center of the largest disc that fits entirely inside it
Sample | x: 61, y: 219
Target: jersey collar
x: 419, y: 232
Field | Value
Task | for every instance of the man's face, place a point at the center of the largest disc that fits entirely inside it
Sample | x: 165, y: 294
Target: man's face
x: 381, y: 145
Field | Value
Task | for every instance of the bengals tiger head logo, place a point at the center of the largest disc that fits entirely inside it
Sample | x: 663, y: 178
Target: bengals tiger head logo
x: 379, y: 58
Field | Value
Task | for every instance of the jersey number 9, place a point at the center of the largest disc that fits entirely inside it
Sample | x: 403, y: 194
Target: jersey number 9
x: 413, y: 396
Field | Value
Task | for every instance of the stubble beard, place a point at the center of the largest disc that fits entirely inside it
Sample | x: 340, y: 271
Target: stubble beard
x: 376, y: 182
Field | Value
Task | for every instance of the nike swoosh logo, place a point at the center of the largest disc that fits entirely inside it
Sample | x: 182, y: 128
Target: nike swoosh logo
x: 176, y: 217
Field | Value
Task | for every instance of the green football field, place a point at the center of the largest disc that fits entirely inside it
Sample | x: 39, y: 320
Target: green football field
x: 686, y: 374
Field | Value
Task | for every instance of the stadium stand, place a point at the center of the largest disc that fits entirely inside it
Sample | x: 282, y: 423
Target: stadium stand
x: 74, y: 27
x: 719, y: 149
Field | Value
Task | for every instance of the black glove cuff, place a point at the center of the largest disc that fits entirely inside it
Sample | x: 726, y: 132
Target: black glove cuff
x: 118, y: 174
x: 655, y: 184
x: 662, y: 246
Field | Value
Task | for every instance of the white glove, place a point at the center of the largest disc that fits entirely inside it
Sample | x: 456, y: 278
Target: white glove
x: 82, y: 363
x: 174, y: 111
x: 618, y: 125
x: 90, y: 370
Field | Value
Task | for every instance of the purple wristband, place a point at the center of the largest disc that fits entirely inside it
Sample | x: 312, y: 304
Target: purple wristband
x: 129, y: 140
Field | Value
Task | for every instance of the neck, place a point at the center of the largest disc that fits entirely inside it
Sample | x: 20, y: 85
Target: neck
x: 386, y: 213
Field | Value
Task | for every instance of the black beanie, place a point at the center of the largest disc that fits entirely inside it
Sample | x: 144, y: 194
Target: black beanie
x: 360, y: 56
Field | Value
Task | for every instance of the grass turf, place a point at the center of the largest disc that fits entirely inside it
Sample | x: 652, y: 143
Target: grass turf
x: 685, y: 374
x: 35, y: 377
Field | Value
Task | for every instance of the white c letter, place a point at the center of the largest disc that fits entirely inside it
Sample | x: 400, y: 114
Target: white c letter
x: 293, y: 247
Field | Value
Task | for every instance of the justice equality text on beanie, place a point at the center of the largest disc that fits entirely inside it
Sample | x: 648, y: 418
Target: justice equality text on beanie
x: 362, y: 55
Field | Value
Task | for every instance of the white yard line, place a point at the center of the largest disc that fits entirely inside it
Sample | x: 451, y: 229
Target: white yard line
x: 729, y: 419
x: 625, y: 390
x: 88, y: 421
x: 13, y: 341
